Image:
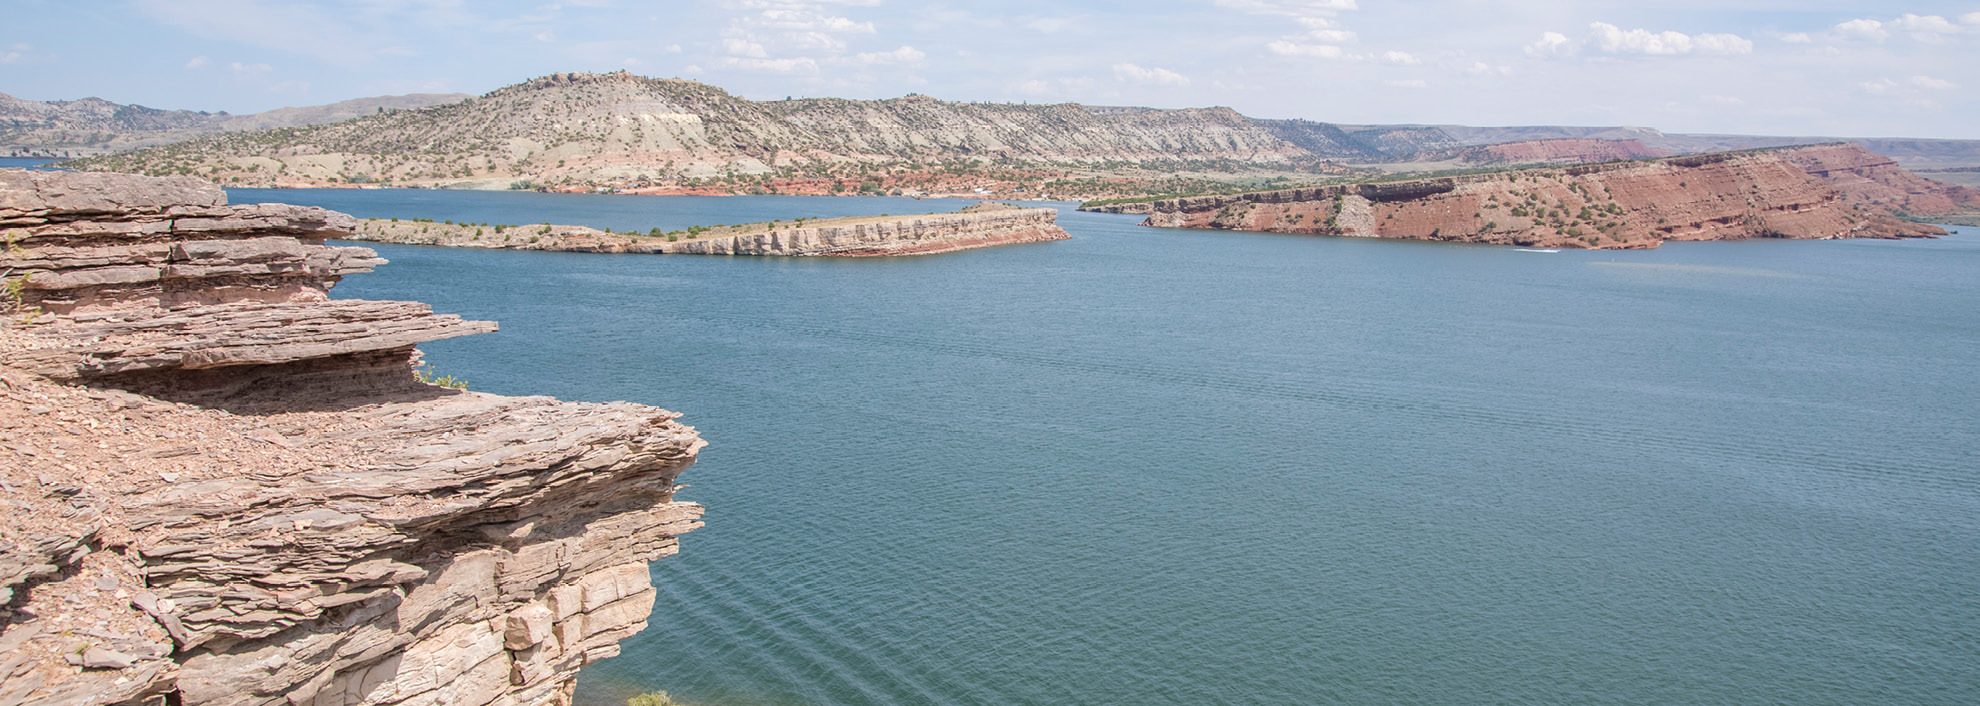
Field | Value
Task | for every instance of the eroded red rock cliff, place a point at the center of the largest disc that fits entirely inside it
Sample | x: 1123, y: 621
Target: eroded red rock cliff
x: 221, y: 487
x: 1822, y: 191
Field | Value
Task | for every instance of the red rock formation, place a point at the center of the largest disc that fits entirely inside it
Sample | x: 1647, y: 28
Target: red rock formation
x: 1720, y: 196
x: 221, y: 487
x: 1870, y: 178
x: 1558, y: 151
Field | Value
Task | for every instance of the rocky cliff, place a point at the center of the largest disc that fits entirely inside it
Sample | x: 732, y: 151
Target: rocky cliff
x: 221, y: 487
x: 979, y: 226
x: 1825, y: 191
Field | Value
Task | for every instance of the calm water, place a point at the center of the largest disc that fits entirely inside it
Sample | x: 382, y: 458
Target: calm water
x: 28, y: 163
x: 1166, y: 467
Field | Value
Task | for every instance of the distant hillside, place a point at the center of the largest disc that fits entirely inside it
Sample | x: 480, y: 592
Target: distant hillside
x: 629, y: 131
x: 93, y: 126
x: 582, y: 131
x: 1563, y: 150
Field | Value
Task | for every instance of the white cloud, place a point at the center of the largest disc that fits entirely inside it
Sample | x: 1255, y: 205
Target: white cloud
x: 1282, y: 47
x: 15, y: 53
x: 196, y: 63
x: 744, y: 48
x: 904, y: 55
x: 1155, y: 76
x: 1324, y: 30
x: 1480, y: 68
x: 1930, y: 83
x: 1930, y: 29
x: 1926, y: 25
x: 1911, y: 86
x: 1797, y: 38
x: 1616, y: 40
x: 1401, y: 58
x: 1866, y: 29
x: 1551, y: 44
x: 841, y: 24
x: 241, y: 69
x: 1720, y: 43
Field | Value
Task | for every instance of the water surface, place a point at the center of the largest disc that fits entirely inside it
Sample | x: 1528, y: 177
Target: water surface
x: 1147, y: 466
x: 28, y: 163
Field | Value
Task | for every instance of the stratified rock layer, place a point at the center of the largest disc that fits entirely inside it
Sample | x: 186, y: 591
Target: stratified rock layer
x: 220, y: 487
x: 980, y: 226
x: 1823, y: 191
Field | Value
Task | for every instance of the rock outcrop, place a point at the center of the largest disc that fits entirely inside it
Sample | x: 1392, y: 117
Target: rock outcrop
x: 1825, y: 191
x: 221, y: 487
x: 979, y: 226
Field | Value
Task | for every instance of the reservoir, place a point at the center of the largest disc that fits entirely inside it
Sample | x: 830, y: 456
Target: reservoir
x: 1150, y: 466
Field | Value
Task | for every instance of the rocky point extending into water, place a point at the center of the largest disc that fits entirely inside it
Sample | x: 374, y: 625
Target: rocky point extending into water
x: 221, y: 487
x: 979, y: 226
x: 1818, y: 191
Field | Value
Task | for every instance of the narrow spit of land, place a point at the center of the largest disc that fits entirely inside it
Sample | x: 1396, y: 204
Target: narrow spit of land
x: 978, y: 226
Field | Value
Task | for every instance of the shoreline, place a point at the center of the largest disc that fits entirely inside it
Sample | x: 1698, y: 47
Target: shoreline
x: 977, y: 226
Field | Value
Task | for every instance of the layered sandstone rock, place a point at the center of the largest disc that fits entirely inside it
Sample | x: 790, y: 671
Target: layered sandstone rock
x: 220, y: 487
x: 1723, y: 196
x: 979, y: 226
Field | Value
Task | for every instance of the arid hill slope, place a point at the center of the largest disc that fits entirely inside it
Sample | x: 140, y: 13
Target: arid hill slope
x: 1565, y: 150
x: 1824, y: 191
x: 628, y: 130
x: 95, y: 126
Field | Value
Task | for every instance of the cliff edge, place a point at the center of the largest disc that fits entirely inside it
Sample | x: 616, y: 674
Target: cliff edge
x: 222, y: 487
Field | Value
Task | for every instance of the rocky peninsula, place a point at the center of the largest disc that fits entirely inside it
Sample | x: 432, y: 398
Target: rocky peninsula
x: 978, y: 226
x: 1820, y: 191
x: 222, y: 487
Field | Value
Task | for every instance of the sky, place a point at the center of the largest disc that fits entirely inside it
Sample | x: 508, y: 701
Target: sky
x: 1804, y: 67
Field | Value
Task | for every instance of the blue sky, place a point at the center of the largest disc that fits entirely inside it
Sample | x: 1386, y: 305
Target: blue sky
x: 1807, y: 67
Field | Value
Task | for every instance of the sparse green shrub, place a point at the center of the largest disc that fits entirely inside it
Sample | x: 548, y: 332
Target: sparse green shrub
x: 425, y: 374
x: 654, y: 698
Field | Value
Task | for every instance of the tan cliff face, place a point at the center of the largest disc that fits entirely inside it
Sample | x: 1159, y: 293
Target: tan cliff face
x: 222, y: 487
x: 980, y: 226
x: 1720, y: 196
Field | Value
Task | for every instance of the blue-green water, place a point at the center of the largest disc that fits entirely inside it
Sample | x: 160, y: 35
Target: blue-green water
x: 28, y: 163
x: 1171, y: 467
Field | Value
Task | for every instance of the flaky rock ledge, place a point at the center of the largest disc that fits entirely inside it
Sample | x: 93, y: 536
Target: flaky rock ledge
x: 221, y: 487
